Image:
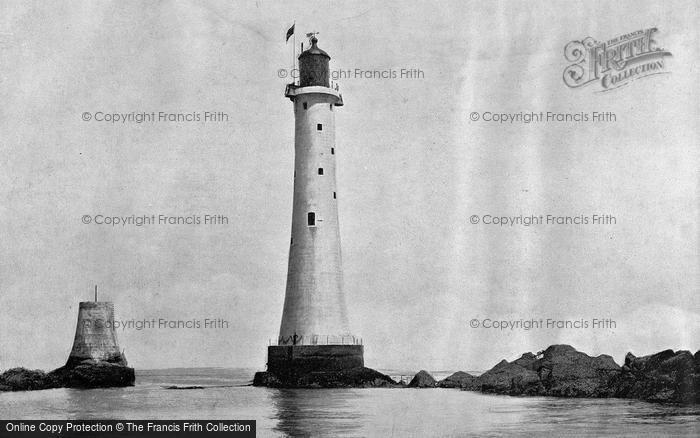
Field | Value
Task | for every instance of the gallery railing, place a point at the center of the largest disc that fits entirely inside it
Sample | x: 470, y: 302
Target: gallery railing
x: 318, y: 340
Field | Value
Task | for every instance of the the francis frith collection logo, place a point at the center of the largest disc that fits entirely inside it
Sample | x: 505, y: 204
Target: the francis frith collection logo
x: 616, y: 62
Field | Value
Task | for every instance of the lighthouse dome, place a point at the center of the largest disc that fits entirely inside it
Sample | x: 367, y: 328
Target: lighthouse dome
x: 313, y: 66
x: 314, y: 50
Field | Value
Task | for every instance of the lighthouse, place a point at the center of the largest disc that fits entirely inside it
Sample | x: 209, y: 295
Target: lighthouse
x: 314, y: 334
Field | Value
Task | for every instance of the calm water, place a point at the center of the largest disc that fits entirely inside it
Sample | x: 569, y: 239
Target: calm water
x: 351, y: 412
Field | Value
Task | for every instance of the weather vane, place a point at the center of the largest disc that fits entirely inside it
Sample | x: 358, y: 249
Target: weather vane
x: 311, y: 35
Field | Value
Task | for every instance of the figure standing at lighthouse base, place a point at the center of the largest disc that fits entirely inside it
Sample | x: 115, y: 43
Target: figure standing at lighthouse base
x: 315, y: 333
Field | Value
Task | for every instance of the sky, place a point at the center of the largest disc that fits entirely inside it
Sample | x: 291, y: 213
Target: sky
x: 421, y: 280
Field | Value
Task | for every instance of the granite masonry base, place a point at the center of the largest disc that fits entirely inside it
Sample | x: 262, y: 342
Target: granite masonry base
x: 319, y: 366
x: 301, y: 359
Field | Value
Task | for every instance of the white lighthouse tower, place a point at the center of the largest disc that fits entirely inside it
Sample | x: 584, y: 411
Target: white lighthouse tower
x: 314, y: 334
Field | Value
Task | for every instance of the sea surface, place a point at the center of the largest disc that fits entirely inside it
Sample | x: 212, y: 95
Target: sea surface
x: 227, y: 395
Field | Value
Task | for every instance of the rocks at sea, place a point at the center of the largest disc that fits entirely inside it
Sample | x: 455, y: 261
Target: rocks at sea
x: 95, y: 374
x: 22, y: 379
x: 666, y: 376
x: 460, y: 379
x: 86, y: 374
x: 422, y: 380
x: 351, y: 378
x: 562, y: 371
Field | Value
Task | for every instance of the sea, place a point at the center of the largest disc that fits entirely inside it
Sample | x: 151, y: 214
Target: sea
x: 227, y: 394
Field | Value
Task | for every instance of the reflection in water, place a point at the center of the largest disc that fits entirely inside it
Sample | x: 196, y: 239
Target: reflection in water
x: 304, y: 412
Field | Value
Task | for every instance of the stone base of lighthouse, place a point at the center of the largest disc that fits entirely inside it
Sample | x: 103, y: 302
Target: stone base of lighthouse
x: 319, y: 366
x: 301, y: 359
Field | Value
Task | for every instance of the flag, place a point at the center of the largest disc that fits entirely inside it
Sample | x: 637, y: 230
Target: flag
x: 290, y: 32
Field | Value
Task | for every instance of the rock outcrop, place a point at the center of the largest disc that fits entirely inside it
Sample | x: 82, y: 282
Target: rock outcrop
x: 662, y: 377
x: 87, y: 374
x: 460, y: 379
x: 351, y: 378
x: 507, y: 378
x: 562, y: 371
x: 95, y: 374
x: 559, y: 371
x: 422, y: 380
x: 22, y: 379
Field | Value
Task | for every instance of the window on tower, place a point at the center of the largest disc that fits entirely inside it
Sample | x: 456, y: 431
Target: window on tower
x: 331, y: 107
x: 311, y: 219
x: 320, y: 170
x: 319, y: 127
x: 333, y: 195
x: 332, y: 151
x: 306, y: 105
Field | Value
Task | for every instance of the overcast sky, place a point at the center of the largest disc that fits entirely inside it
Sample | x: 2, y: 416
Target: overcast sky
x: 412, y: 169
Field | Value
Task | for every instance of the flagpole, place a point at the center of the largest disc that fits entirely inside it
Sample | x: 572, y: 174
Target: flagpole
x: 294, y: 51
